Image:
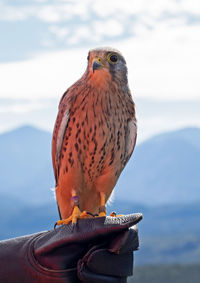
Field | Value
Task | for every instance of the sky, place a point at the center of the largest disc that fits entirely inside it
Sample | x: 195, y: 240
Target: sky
x: 44, y: 46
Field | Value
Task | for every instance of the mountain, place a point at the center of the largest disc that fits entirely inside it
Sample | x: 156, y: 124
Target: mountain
x: 25, y: 165
x: 163, y: 170
x: 21, y: 218
x: 175, y: 273
x: 168, y: 233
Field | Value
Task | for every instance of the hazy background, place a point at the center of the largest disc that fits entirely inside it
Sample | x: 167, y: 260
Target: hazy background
x: 43, y: 50
x: 44, y: 45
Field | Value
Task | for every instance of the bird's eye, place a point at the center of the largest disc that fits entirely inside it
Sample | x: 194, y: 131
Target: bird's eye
x: 112, y: 58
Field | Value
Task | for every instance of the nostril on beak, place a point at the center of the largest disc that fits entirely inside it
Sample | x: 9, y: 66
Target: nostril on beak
x: 97, y: 64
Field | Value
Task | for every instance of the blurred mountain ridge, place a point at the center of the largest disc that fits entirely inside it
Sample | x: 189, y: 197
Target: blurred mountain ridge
x: 25, y: 164
x: 162, y: 170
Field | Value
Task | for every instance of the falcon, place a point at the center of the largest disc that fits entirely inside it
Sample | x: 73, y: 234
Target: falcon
x: 94, y: 136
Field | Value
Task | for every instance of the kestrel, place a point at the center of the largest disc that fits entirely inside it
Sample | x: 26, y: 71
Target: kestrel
x: 94, y: 136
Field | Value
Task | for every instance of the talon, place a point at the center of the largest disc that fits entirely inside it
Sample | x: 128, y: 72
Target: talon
x: 76, y: 214
x: 102, y: 214
x: 63, y: 221
x: 113, y: 214
x: 102, y: 210
x: 73, y: 226
x: 83, y: 214
x: 91, y: 214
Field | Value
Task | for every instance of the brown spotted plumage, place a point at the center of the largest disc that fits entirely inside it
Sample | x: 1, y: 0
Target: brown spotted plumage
x: 94, y: 134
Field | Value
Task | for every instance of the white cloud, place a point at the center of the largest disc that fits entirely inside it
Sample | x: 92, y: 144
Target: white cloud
x: 165, y: 62
x: 51, y: 14
x: 60, y: 32
x: 21, y: 107
x: 81, y: 33
x: 88, y: 20
x: 11, y: 14
x: 162, y: 64
x: 192, y: 6
x: 43, y: 76
x: 63, y: 10
x: 163, y: 55
x: 41, y: 1
x: 110, y: 28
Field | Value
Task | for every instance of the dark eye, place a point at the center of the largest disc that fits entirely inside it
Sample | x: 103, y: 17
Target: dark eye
x: 112, y: 58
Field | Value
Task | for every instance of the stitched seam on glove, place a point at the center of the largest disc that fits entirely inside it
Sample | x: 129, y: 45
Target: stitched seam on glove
x: 42, y: 269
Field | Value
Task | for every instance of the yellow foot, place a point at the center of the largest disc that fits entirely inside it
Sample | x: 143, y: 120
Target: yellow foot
x: 102, y: 213
x: 76, y: 214
x: 113, y: 214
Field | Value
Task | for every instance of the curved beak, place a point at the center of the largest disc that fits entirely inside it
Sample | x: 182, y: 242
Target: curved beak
x: 97, y: 64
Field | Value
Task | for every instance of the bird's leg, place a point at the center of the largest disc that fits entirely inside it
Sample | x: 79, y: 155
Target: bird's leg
x: 102, y: 208
x: 76, y: 214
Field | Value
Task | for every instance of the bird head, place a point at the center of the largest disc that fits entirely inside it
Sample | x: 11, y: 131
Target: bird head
x: 107, y: 63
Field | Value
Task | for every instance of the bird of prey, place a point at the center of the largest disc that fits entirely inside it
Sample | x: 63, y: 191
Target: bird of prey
x: 94, y: 136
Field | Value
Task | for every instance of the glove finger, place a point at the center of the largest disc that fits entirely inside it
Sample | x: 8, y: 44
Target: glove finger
x: 125, y: 241
x: 86, y: 276
x: 104, y: 262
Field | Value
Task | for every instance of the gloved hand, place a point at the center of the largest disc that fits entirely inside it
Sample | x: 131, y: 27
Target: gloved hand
x: 96, y: 250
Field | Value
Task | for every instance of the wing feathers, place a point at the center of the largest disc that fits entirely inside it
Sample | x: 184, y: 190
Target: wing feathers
x: 61, y: 133
x: 130, y: 139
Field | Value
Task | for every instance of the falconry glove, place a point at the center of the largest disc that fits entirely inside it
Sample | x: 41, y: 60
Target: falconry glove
x: 95, y: 250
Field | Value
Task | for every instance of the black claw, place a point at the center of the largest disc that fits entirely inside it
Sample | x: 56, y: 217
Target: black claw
x: 73, y: 226
x: 55, y: 225
x: 91, y: 214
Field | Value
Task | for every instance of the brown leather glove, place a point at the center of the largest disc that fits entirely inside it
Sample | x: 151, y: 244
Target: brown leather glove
x: 97, y: 250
